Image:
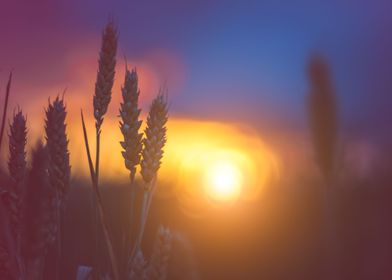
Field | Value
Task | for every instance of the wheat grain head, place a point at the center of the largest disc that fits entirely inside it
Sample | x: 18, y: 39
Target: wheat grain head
x: 57, y: 145
x: 17, y: 170
x: 130, y: 123
x: 105, y: 74
x: 155, y: 137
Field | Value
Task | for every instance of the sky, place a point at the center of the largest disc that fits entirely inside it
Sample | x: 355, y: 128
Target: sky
x: 226, y: 60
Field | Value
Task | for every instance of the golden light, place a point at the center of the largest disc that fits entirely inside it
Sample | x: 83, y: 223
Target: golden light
x: 205, y: 163
x: 223, y: 180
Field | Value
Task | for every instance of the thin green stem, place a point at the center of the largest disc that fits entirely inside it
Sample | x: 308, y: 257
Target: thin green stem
x: 147, y: 198
x: 100, y: 207
x: 129, y: 226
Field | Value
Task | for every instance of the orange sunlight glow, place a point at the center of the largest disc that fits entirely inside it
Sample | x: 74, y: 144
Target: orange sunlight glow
x: 205, y: 163
x: 223, y: 180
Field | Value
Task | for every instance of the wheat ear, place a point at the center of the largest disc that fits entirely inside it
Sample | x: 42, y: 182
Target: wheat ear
x: 155, y: 137
x: 132, y: 145
x: 130, y: 122
x: 104, y: 82
x: 57, y: 146
x: 17, y: 170
x: 152, y: 153
x: 59, y: 168
x: 158, y: 266
x: 101, y: 100
x: 106, y: 72
x: 5, y: 264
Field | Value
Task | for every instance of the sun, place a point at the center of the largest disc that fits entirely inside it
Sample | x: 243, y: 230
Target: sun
x: 223, y: 180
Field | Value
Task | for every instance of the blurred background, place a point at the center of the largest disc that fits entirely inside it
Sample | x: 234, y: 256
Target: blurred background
x: 238, y: 86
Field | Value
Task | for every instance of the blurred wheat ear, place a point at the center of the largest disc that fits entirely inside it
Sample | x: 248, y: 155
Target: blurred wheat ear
x: 158, y: 266
x: 324, y: 129
x: 137, y: 267
x: 5, y: 264
x: 41, y: 213
x: 323, y: 116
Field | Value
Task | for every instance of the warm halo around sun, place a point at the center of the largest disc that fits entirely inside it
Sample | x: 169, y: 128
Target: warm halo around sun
x: 223, y: 180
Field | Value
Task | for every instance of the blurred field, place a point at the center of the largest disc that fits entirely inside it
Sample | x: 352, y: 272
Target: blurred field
x: 276, y: 237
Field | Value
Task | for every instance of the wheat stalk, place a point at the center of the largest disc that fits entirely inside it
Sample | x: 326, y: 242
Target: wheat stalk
x: 132, y: 145
x: 152, y: 153
x: 101, y: 100
x: 17, y: 170
x: 41, y: 216
x: 104, y: 82
x: 99, y: 204
x: 158, y: 266
x: 59, y: 168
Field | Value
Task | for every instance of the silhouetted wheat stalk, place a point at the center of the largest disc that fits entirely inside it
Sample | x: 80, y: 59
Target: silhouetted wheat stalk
x: 41, y: 215
x: 59, y: 168
x: 152, y: 153
x: 132, y: 146
x: 159, y: 262
x: 104, y: 83
x: 17, y: 170
x: 102, y: 97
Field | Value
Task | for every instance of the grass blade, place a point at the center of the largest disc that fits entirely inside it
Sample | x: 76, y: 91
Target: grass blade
x: 7, y: 95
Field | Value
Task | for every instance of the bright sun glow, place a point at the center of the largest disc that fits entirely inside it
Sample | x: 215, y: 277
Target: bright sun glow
x: 223, y: 180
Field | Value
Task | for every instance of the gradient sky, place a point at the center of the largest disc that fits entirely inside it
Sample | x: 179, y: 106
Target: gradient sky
x: 232, y: 60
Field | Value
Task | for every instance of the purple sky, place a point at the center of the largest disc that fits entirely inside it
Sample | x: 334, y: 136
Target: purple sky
x: 241, y: 60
